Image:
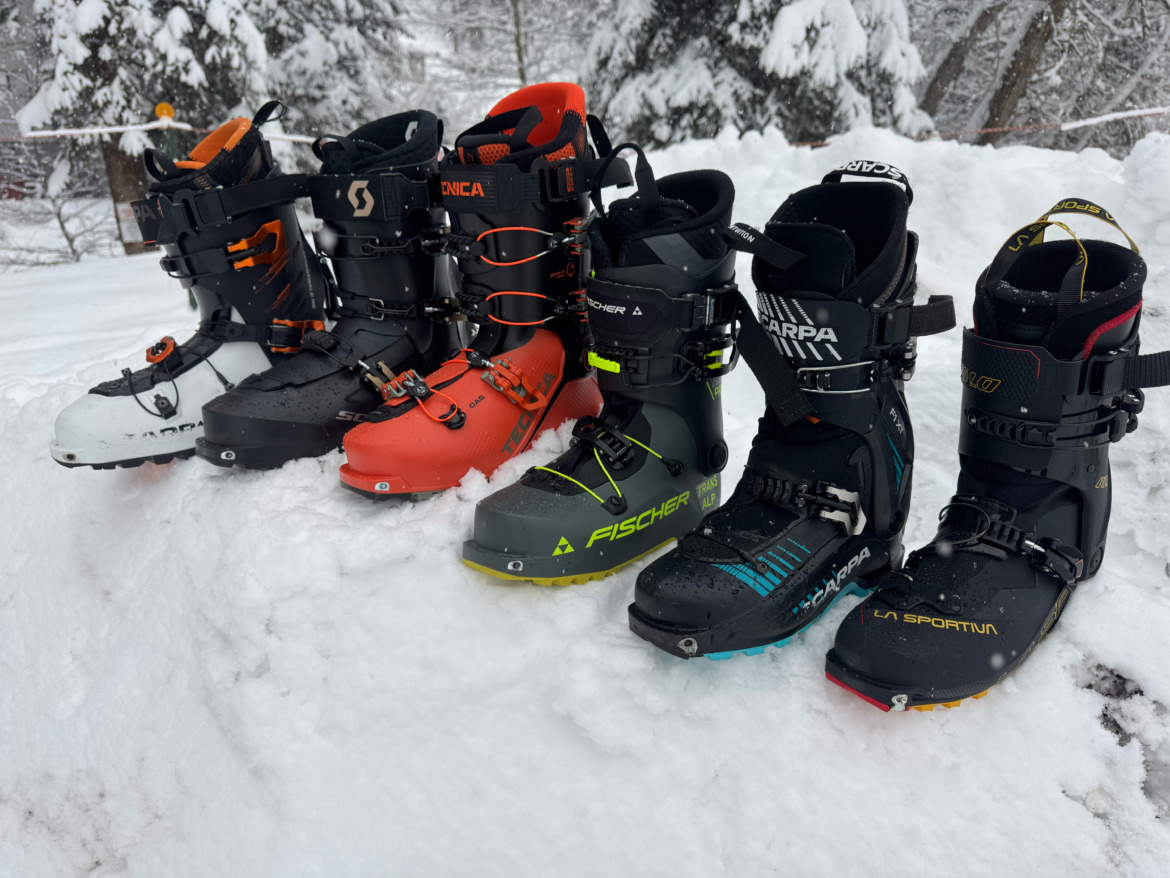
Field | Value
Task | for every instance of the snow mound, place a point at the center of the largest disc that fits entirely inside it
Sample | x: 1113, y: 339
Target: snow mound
x: 228, y: 673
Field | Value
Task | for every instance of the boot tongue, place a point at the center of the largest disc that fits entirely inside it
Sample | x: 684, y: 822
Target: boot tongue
x: 828, y: 267
x: 395, y: 141
x: 628, y: 218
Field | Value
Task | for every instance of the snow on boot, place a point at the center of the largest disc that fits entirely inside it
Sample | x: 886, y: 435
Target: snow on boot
x: 516, y: 187
x: 661, y: 305
x: 1051, y: 378
x: 823, y: 499
x: 377, y: 196
x: 226, y: 221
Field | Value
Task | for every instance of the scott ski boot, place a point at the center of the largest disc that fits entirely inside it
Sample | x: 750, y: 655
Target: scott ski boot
x: 377, y: 196
x: 823, y: 499
x: 661, y: 305
x: 516, y: 187
x: 226, y: 222
x: 1051, y: 378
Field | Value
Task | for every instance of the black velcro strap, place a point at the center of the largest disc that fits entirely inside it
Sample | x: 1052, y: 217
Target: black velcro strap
x: 498, y: 188
x: 878, y: 170
x: 375, y: 197
x: 911, y: 321
x: 744, y: 238
x: 198, y: 264
x: 266, y: 334
x: 163, y: 218
x: 1148, y: 370
x: 776, y: 377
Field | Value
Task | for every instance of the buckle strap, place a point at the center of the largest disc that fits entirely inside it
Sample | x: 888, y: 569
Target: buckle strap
x: 824, y: 500
x: 997, y: 537
x: 380, y: 196
x: 281, y: 336
x: 506, y: 377
x: 440, y: 310
x: 163, y: 218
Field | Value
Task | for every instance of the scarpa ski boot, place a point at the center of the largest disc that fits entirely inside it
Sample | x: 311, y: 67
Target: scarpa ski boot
x: 661, y: 305
x: 823, y: 499
x: 225, y: 219
x: 1051, y: 378
x: 377, y: 196
x: 516, y: 188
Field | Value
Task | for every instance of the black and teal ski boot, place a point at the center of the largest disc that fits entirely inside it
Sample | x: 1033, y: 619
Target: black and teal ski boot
x: 1051, y: 378
x: 662, y: 302
x: 822, y: 502
x: 378, y: 198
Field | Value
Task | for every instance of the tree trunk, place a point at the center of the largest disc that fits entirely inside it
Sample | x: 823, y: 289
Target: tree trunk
x: 952, y: 65
x: 1020, y: 69
x: 520, y: 66
x: 127, y: 184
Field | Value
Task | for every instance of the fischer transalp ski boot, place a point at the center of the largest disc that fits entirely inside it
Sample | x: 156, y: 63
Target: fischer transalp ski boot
x: 516, y: 187
x: 377, y: 195
x: 1051, y: 378
x: 226, y: 221
x: 661, y: 306
x: 823, y: 499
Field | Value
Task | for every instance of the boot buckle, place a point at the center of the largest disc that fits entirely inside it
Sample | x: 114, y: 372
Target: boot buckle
x: 503, y: 375
x: 1066, y: 563
x: 837, y: 504
x: 289, y: 346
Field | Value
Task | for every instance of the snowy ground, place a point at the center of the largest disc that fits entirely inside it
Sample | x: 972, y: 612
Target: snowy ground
x: 209, y: 673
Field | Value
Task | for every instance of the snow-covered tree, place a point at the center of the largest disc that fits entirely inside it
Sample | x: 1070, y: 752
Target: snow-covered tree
x: 666, y: 71
x: 1000, y: 63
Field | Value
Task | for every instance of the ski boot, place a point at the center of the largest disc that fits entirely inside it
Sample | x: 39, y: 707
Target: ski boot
x: 823, y: 499
x: 1051, y: 377
x: 516, y: 187
x: 661, y: 305
x: 226, y: 221
x: 381, y: 233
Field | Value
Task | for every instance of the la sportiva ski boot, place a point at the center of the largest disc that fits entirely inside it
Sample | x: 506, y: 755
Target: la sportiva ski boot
x: 225, y: 219
x: 377, y: 196
x: 516, y: 188
x: 1051, y: 378
x: 823, y: 499
x: 661, y: 305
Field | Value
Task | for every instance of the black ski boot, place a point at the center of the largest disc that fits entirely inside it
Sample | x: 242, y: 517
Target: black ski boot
x: 226, y: 221
x: 661, y: 306
x: 377, y: 195
x: 1051, y: 377
x: 822, y: 502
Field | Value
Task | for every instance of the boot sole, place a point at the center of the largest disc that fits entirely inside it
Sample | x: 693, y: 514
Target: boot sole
x: 258, y: 457
x: 572, y: 579
x: 131, y: 462
x: 896, y: 699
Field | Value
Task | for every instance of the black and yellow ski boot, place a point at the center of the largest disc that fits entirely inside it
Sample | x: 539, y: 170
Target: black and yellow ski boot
x: 662, y: 302
x: 1051, y: 378
x: 823, y: 499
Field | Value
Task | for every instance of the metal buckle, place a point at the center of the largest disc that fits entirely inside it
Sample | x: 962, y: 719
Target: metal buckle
x: 823, y: 381
x: 1066, y: 563
x: 847, y: 508
x: 505, y: 377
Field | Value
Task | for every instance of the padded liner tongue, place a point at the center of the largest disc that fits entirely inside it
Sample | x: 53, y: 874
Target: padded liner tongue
x: 829, y: 266
x: 244, y: 161
x: 383, y: 143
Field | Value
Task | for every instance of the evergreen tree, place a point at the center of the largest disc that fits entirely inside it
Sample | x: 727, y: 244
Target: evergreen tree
x: 668, y: 71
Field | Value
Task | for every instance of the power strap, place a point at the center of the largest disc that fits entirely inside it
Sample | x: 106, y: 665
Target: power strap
x: 378, y: 196
x: 744, y: 238
x: 781, y: 388
x: 163, y: 218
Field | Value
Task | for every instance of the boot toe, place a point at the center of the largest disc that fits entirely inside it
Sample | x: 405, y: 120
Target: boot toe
x: 679, y: 592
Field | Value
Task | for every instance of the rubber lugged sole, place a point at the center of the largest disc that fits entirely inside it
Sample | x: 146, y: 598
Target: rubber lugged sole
x: 900, y: 698
x: 573, y: 579
x: 130, y: 463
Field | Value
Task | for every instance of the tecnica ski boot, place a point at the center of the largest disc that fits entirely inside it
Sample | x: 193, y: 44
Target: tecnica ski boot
x: 823, y: 499
x: 1051, y: 377
x: 226, y: 221
x: 516, y: 187
x: 377, y: 196
x: 661, y: 306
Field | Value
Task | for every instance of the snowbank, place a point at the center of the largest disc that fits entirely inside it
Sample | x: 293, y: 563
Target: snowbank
x: 223, y: 673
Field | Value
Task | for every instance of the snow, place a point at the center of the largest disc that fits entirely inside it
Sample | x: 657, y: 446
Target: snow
x: 229, y: 673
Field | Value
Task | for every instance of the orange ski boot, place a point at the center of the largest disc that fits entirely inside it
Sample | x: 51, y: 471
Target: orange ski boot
x: 516, y: 188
